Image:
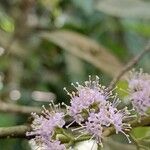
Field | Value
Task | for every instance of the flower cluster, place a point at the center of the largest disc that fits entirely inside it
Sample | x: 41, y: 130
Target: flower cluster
x: 92, y: 109
x: 43, y: 128
x: 87, y: 97
x: 139, y: 87
x: 92, y: 106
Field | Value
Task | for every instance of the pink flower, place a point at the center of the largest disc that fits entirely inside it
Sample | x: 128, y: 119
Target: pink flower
x: 138, y: 80
x: 43, y: 128
x: 91, y: 108
x: 87, y: 97
x: 107, y: 116
x: 94, y: 127
x: 117, y: 118
x: 141, y: 101
x: 139, y: 86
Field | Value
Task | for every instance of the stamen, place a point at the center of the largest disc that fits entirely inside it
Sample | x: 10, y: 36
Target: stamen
x: 70, y: 124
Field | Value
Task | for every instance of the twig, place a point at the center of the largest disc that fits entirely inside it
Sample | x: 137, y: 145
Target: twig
x: 145, y: 121
x: 13, y: 108
x: 24, y: 110
x: 19, y: 131
x: 14, y: 132
x: 128, y: 66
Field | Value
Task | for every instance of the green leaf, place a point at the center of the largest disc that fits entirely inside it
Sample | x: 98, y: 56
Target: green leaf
x: 122, y: 88
x: 86, y: 49
x: 140, y: 27
x: 6, y: 22
x: 141, y: 137
x: 140, y: 132
x: 85, y: 5
x: 125, y: 8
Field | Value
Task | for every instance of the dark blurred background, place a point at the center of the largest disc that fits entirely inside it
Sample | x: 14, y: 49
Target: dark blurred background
x: 47, y: 44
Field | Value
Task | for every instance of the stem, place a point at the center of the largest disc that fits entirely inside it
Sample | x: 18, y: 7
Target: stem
x: 13, y: 108
x: 20, y: 109
x: 83, y: 138
x: 20, y: 130
x: 67, y: 135
x: 14, y: 132
x: 63, y: 138
x: 128, y: 66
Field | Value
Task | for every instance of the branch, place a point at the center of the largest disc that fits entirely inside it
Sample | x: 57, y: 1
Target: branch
x: 20, y: 130
x: 128, y: 66
x: 145, y: 121
x: 13, y: 108
x: 14, y: 132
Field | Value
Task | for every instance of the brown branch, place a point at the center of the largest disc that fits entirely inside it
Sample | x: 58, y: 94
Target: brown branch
x: 145, y: 121
x: 13, y: 108
x: 24, y: 110
x: 128, y: 66
x: 14, y: 132
x: 19, y: 131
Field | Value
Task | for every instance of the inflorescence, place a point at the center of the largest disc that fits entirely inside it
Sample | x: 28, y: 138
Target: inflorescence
x: 94, y: 108
x: 139, y: 91
x: 44, y: 126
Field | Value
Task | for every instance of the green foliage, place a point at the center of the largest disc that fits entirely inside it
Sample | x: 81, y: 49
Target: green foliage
x: 141, y: 137
x: 141, y: 132
x: 6, y: 22
x: 122, y: 89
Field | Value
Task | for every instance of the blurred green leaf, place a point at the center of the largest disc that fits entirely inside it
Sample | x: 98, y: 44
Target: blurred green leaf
x: 122, y: 87
x: 141, y: 137
x: 85, y: 5
x: 141, y: 132
x: 125, y: 8
x: 75, y: 68
x: 6, y: 23
x: 86, y: 49
x: 5, y: 119
x: 140, y: 27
